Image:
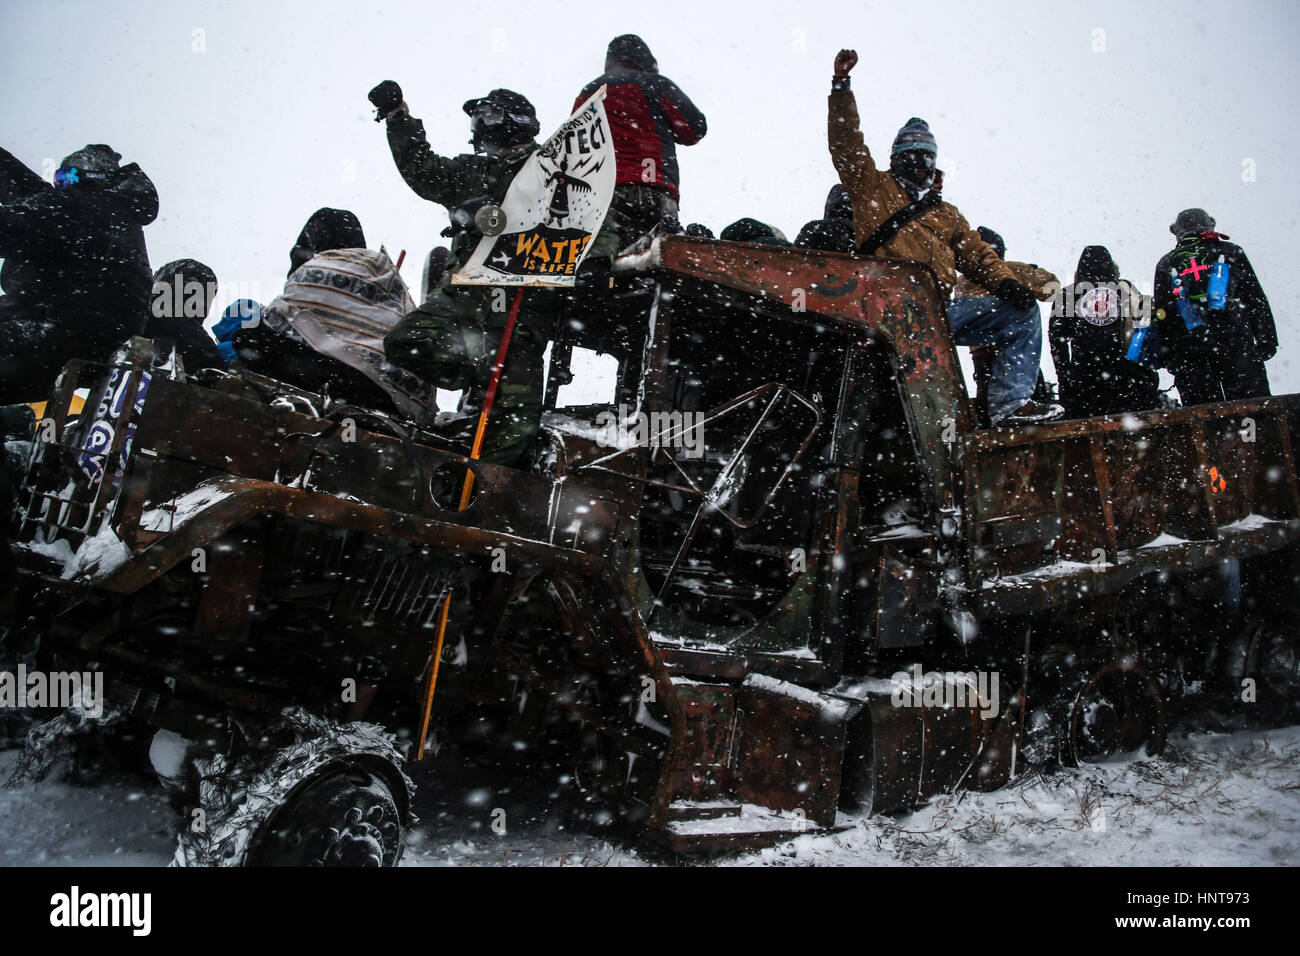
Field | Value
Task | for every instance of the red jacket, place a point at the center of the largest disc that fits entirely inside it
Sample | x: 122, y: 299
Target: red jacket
x: 648, y: 116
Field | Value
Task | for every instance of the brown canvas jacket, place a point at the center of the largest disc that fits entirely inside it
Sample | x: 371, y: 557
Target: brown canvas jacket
x: 941, y: 238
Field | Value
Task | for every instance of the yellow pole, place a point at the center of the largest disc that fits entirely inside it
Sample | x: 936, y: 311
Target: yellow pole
x: 475, y: 450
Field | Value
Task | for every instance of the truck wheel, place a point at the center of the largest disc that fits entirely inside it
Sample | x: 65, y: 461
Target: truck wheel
x: 1119, y: 709
x: 311, y: 792
x: 345, y: 816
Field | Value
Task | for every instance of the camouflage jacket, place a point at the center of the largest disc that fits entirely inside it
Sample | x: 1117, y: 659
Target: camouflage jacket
x: 461, y: 183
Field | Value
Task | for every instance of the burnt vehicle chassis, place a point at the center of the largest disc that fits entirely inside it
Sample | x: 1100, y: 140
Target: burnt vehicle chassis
x: 709, y: 634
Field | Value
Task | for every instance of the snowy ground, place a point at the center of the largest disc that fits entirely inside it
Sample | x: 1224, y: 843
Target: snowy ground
x: 1211, y: 799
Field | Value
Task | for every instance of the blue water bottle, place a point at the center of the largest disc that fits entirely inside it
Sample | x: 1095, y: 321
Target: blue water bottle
x: 1186, y: 310
x: 1216, y: 294
x: 1136, y: 344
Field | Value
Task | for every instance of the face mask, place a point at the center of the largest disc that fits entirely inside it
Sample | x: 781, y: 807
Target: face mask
x: 916, y: 166
x: 493, y: 128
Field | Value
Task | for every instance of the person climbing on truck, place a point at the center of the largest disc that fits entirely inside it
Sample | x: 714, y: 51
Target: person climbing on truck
x: 451, y: 339
x: 1218, y: 348
x: 983, y: 356
x: 899, y: 213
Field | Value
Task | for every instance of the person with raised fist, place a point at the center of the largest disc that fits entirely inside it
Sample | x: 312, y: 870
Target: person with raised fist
x: 452, y: 338
x: 899, y: 213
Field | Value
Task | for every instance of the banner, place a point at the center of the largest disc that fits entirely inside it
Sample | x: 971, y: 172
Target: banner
x: 553, y: 209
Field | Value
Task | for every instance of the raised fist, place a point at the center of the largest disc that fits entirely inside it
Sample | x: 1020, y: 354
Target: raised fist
x: 845, y: 61
x: 386, y: 97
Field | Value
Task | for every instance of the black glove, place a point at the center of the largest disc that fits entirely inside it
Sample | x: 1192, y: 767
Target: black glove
x: 386, y: 97
x: 1016, y: 294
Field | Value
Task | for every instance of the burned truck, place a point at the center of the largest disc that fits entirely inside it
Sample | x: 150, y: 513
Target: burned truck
x: 762, y: 567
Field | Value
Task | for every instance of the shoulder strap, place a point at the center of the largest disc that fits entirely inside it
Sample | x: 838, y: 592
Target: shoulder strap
x: 889, y: 228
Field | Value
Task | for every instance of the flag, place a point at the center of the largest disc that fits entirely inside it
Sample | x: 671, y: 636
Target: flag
x: 553, y: 209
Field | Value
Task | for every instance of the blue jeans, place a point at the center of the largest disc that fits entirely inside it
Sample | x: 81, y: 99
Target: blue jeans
x: 1018, y: 337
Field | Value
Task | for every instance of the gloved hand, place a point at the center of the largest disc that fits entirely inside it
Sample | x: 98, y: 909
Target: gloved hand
x: 1016, y: 294
x: 386, y: 97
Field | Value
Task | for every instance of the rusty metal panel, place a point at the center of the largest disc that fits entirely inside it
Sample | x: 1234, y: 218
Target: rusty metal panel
x: 1132, y: 458
x: 704, y: 762
x: 789, y: 748
x: 907, y: 600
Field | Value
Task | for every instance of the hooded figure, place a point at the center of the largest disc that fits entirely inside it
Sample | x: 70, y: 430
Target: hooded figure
x: 751, y: 230
x: 1091, y: 326
x: 183, y: 293
x: 1222, y: 359
x: 834, y: 231
x: 648, y: 116
x: 326, y: 229
x: 76, y: 276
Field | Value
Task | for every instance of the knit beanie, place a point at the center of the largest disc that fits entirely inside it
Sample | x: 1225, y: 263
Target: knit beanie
x: 915, y: 134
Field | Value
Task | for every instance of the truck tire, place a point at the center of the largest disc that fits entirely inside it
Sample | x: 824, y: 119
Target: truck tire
x: 344, y: 816
x: 321, y: 794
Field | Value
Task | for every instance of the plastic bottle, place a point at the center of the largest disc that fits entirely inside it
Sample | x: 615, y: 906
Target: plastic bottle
x: 1134, y: 353
x: 1186, y: 310
x: 1216, y: 294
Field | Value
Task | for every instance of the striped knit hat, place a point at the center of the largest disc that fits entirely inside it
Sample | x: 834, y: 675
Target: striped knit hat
x: 915, y: 134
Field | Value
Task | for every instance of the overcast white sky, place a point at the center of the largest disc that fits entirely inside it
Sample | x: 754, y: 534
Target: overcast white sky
x: 1060, y: 124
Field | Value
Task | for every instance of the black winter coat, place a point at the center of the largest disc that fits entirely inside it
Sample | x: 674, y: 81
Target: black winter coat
x: 77, y: 256
x: 1244, y: 326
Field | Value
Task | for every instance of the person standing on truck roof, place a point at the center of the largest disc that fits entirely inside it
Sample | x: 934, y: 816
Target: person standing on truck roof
x: 1223, y: 358
x: 983, y: 356
x: 1092, y: 323
x: 900, y: 214
x: 648, y: 117
x: 451, y: 339
x: 76, y: 275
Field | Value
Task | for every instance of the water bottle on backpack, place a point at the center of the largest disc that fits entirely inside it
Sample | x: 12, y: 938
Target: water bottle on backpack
x: 1186, y: 309
x: 1136, y: 345
x: 1216, y: 294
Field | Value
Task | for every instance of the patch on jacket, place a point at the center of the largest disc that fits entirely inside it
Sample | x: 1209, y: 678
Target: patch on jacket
x: 1099, y: 306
